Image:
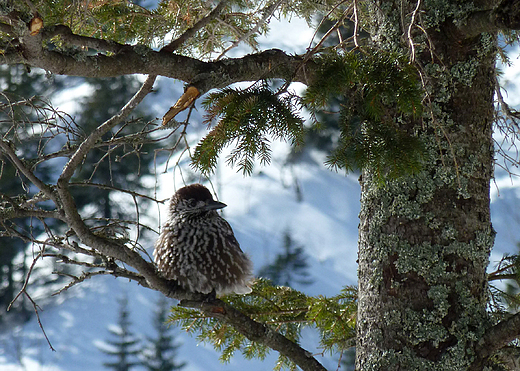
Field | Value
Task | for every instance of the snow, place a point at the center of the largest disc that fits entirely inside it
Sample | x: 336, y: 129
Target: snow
x: 260, y: 209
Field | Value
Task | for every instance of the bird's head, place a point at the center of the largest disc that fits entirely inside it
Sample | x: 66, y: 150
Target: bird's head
x: 194, y: 199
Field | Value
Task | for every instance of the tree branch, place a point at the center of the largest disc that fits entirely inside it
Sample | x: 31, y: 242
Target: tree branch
x: 495, y: 338
x: 505, y: 16
x: 86, y: 145
x: 71, y: 38
x: 19, y: 164
x: 139, y: 59
x: 203, y: 75
x: 14, y: 213
x: 257, y: 332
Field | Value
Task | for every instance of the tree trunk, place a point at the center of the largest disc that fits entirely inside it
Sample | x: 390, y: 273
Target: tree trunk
x: 425, y: 240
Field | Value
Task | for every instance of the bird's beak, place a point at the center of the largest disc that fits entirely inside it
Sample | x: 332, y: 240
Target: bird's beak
x: 215, y: 205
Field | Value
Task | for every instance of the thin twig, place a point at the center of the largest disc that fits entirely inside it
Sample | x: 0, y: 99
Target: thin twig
x: 410, y: 39
x: 190, y: 32
x: 23, y: 290
x: 114, y: 188
x: 356, y: 23
x: 267, y: 14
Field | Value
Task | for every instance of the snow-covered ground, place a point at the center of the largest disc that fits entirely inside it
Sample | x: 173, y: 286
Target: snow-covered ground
x: 261, y: 208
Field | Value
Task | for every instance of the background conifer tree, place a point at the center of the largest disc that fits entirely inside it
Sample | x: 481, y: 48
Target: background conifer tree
x: 19, y: 85
x: 290, y: 266
x: 124, y: 347
x: 161, y: 352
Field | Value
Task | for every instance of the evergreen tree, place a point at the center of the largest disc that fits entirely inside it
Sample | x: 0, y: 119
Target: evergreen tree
x: 125, y: 347
x: 161, y: 351
x: 289, y: 266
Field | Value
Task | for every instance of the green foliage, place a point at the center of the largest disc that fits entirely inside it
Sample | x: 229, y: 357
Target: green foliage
x: 378, y: 92
x: 283, y: 309
x: 504, y: 301
x: 248, y: 118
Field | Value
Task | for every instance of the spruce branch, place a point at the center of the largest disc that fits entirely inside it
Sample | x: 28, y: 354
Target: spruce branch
x: 248, y: 118
x: 280, y: 309
x: 375, y: 88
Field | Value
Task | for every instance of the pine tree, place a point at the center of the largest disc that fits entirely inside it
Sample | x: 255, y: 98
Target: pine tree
x: 162, y: 350
x: 289, y: 266
x: 125, y: 347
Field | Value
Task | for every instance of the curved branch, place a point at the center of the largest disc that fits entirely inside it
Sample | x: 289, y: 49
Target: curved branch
x: 86, y: 145
x: 19, y: 164
x: 257, y: 332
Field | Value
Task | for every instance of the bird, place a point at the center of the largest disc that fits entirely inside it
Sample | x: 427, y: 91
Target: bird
x: 197, y: 247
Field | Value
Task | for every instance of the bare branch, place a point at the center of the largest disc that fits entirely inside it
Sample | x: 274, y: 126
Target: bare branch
x: 409, y: 33
x: 18, y: 163
x: 119, y: 272
x: 138, y: 59
x: 13, y: 213
x: 87, y: 144
x: 23, y: 291
x: 112, y: 188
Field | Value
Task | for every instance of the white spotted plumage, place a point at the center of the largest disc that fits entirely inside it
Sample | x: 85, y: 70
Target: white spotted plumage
x: 197, y: 247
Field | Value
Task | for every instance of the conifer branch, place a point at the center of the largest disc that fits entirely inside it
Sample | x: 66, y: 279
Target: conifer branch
x: 143, y: 60
x: 257, y: 332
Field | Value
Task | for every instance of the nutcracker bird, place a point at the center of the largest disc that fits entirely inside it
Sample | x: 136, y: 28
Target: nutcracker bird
x: 197, y: 247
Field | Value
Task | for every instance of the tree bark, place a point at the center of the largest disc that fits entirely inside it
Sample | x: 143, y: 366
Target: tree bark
x: 425, y: 241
